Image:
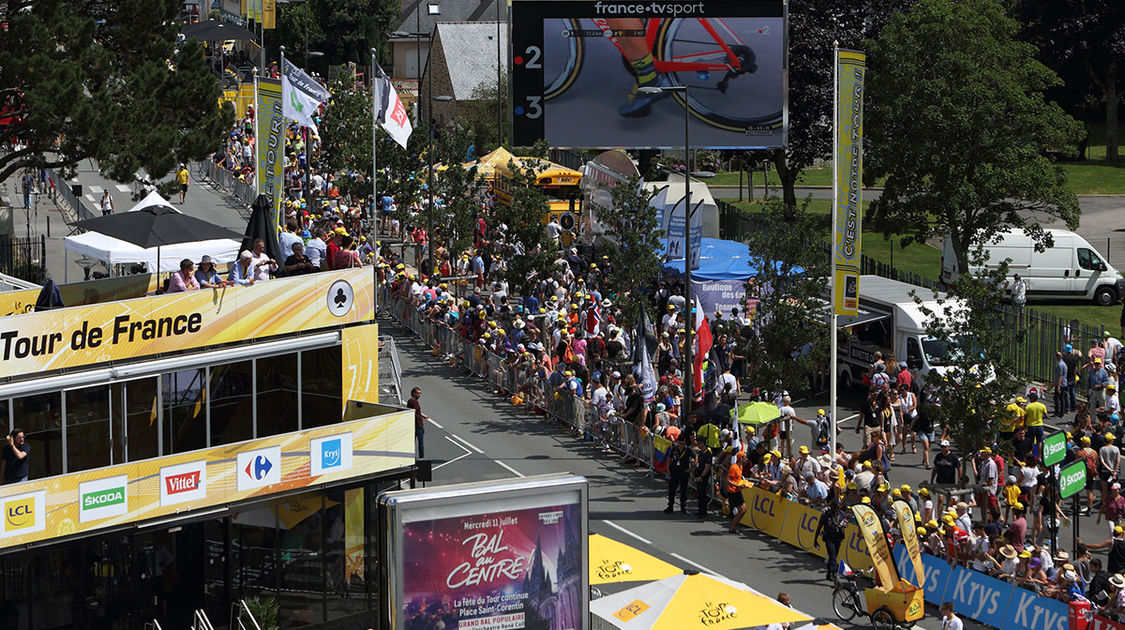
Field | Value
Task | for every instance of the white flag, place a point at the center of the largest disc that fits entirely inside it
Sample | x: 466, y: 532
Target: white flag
x: 301, y: 95
x: 389, y: 111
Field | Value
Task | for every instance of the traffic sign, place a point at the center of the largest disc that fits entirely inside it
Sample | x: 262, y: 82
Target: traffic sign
x: 1054, y: 448
x: 1072, y: 479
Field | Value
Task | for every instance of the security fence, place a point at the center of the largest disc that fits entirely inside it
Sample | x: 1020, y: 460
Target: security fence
x: 24, y: 258
x: 227, y: 180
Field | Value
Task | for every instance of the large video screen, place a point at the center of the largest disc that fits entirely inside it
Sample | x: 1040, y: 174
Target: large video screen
x: 589, y: 74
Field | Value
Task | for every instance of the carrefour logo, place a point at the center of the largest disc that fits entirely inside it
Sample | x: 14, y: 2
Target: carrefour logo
x: 259, y: 468
x: 329, y: 454
x: 103, y: 498
x: 25, y: 513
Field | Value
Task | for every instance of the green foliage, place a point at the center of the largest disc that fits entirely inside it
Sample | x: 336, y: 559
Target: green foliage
x: 791, y: 337
x: 345, y: 132
x: 526, y: 219
x: 634, y: 233
x: 959, y: 126
x: 119, y: 92
x: 265, y: 611
x: 344, y: 30
x: 457, y: 186
x: 977, y: 373
x: 480, y: 112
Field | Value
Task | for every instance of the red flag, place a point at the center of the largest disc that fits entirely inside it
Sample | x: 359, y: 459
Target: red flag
x: 703, y: 342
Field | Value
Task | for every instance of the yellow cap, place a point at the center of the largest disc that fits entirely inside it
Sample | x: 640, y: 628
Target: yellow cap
x: 867, y: 464
x: 1025, y: 554
x: 947, y: 519
x: 896, y: 493
x: 924, y: 492
x: 1110, y: 436
x: 820, y: 412
x: 1084, y: 440
x: 865, y: 500
x: 852, y: 486
x: 905, y: 487
x: 1017, y: 506
x: 1117, y: 529
x: 987, y: 450
x: 776, y: 454
x: 932, y: 524
x: 751, y: 430
x: 486, y: 336
x: 803, y: 450
x: 921, y: 531
x: 883, y: 487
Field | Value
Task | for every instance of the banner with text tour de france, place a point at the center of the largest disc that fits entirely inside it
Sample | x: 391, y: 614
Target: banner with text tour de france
x: 271, y: 152
x: 906, y: 526
x: 116, y: 331
x: 872, y: 531
x: 847, y: 208
x: 131, y: 493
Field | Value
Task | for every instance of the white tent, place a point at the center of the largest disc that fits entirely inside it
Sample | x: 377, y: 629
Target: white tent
x: 115, y: 251
x: 152, y: 199
x: 673, y: 196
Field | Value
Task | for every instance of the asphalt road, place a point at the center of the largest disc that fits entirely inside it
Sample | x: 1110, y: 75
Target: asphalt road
x: 476, y: 436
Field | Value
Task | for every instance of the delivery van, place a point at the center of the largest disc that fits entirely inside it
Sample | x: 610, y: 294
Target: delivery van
x: 1069, y: 270
x: 890, y: 322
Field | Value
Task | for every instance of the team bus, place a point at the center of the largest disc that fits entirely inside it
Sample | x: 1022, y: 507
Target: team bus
x: 561, y: 185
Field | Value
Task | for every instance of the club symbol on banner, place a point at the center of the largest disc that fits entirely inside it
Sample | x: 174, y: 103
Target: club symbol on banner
x: 340, y: 298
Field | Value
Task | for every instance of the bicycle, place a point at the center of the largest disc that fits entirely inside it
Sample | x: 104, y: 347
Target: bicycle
x: 847, y: 604
x: 703, y: 54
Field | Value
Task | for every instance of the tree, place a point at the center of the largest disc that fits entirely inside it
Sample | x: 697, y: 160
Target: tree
x: 791, y: 340
x: 344, y: 30
x: 1083, y: 38
x: 974, y: 372
x: 345, y: 132
x: 632, y: 246
x: 105, y: 80
x: 456, y: 186
x: 958, y: 125
x: 813, y: 27
x: 480, y: 110
x: 526, y: 218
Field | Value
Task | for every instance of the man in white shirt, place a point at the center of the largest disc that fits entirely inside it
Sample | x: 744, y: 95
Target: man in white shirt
x: 785, y: 426
x: 950, y: 620
x: 262, y: 264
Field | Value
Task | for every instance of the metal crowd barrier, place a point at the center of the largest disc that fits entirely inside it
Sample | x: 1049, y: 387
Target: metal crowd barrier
x: 226, y: 180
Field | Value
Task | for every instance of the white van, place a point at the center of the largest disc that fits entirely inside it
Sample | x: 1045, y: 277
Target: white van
x: 890, y: 322
x: 1070, y: 270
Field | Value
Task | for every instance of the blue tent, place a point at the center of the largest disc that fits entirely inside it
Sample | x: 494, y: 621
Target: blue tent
x: 718, y: 260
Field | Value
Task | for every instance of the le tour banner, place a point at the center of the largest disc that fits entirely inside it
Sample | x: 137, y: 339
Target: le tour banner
x: 872, y: 531
x: 847, y: 209
x: 271, y: 148
x: 115, y: 331
x: 130, y: 493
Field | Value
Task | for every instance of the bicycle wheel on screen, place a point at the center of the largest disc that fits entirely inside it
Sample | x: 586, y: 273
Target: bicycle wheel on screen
x: 563, y: 52
x: 845, y: 602
x: 729, y: 100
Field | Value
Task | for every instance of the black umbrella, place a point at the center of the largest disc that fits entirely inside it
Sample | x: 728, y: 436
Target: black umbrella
x: 215, y: 31
x: 154, y: 226
x: 263, y: 225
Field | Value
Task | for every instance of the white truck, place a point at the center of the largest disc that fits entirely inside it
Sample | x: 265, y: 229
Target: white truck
x: 891, y: 322
x: 1071, y: 269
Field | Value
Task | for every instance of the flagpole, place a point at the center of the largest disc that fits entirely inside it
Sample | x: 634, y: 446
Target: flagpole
x: 832, y: 376
x: 374, y: 179
x: 257, y: 140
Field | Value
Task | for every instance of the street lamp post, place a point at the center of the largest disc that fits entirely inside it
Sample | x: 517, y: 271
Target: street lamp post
x: 689, y: 305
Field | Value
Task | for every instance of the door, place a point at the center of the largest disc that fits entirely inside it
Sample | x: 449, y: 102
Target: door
x: 1089, y: 272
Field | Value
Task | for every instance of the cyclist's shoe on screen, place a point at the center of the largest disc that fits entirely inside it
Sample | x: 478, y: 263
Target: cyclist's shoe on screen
x: 640, y: 104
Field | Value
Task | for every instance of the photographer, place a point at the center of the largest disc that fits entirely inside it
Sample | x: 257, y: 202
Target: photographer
x: 14, y: 464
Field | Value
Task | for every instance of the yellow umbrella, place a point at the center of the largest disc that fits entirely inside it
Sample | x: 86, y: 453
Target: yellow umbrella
x: 756, y: 413
x: 692, y: 600
x: 612, y: 561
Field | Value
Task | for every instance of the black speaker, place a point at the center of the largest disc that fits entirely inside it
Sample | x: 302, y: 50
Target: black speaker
x: 76, y: 189
x: 425, y: 471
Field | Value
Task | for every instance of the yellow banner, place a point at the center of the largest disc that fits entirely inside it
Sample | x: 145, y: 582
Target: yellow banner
x: 79, y: 293
x: 359, y: 350
x: 129, y: 493
x: 114, y: 331
x: 872, y: 531
x: 908, y: 529
x: 800, y: 528
x: 271, y: 152
x: 765, y: 511
x: 269, y: 14
x: 847, y: 208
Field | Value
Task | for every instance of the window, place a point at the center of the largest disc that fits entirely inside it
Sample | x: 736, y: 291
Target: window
x: 140, y: 406
x: 322, y: 387
x: 184, y: 414
x: 89, y: 440
x: 277, y: 395
x: 1088, y: 259
x: 231, y: 397
x: 302, y: 556
x: 40, y: 418
x: 913, y: 353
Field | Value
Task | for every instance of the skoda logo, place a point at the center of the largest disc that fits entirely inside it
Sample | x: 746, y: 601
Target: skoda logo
x: 340, y: 298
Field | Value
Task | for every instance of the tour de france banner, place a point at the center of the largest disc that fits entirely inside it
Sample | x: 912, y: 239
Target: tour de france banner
x: 847, y: 210
x: 129, y: 493
x: 496, y: 571
x: 115, y: 331
x: 271, y: 151
x: 872, y: 531
x: 905, y: 517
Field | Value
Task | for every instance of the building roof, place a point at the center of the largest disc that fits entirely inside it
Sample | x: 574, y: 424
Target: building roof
x: 451, y: 11
x: 469, y: 54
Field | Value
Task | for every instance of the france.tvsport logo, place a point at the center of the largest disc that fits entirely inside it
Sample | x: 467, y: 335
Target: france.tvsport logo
x: 25, y: 513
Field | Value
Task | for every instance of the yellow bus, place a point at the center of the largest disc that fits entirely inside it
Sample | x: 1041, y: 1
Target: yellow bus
x: 561, y: 185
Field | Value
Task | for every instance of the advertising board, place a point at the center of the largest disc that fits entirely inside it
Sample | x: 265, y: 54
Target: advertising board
x: 575, y: 65
x: 489, y: 556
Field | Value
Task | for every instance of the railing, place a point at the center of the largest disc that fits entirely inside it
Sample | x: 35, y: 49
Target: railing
x: 24, y: 258
x: 152, y: 625
x: 239, y: 614
x: 227, y: 180
x: 62, y: 193
x: 199, y: 621
x: 390, y: 372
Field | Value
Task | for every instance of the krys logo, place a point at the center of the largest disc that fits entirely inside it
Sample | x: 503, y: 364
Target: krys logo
x: 331, y: 453
x: 610, y: 569
x: 714, y: 613
x: 19, y: 514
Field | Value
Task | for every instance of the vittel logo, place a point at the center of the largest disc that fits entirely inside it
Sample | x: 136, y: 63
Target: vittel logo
x: 183, y: 482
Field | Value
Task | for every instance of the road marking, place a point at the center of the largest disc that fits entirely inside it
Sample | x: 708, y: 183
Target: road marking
x: 123, y: 188
x: 90, y: 197
x: 508, y: 468
x: 97, y: 190
x: 466, y: 443
x: 851, y: 417
x: 693, y: 563
x: 435, y: 424
x: 460, y: 457
x: 627, y: 532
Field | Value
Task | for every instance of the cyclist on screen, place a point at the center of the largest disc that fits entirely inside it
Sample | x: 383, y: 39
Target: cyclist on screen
x: 637, y: 51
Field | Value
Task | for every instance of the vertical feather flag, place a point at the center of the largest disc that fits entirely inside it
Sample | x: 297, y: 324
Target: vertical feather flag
x: 661, y: 449
x: 703, y: 342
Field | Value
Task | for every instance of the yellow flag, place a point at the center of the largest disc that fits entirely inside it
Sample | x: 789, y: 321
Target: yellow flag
x: 269, y: 14
x: 872, y: 531
x: 909, y: 538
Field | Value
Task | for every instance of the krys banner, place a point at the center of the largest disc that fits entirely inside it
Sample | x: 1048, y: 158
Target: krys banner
x: 847, y: 209
x: 115, y: 331
x: 495, y: 571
